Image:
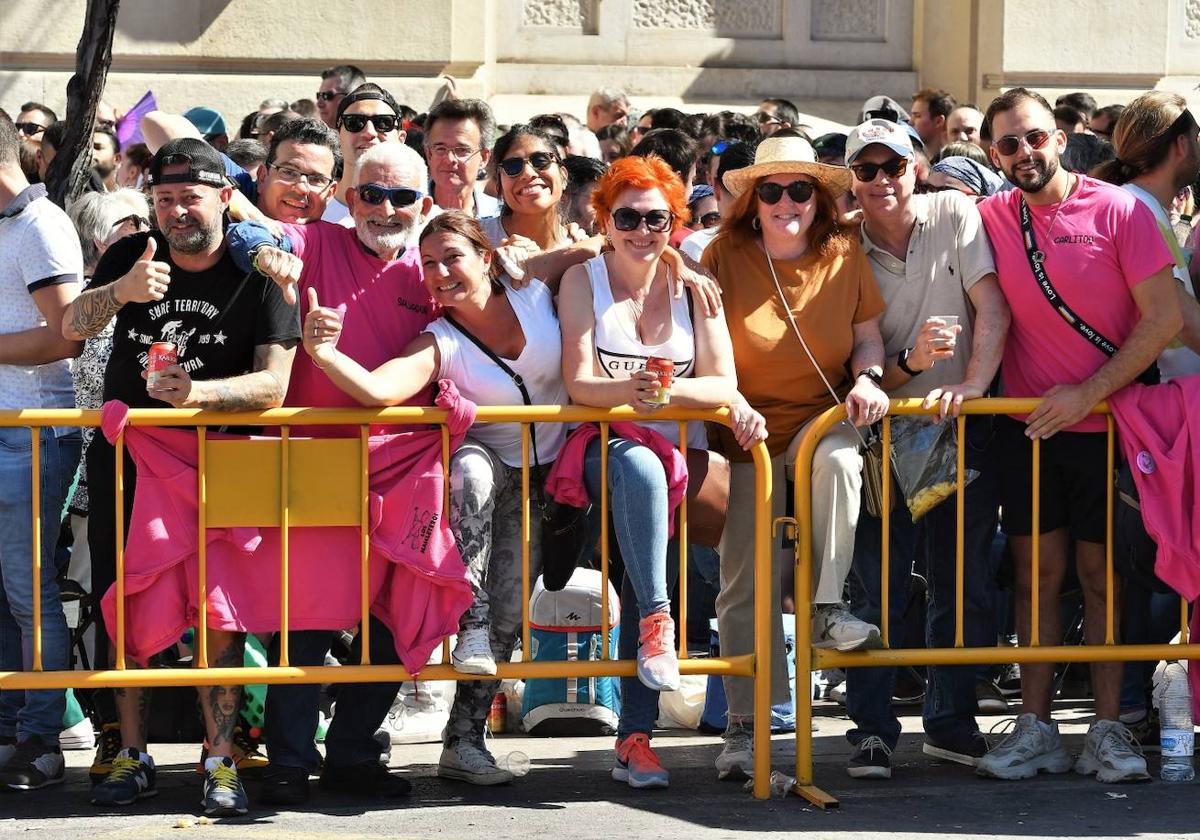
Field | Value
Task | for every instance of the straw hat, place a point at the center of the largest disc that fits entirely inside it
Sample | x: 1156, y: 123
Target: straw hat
x: 787, y: 155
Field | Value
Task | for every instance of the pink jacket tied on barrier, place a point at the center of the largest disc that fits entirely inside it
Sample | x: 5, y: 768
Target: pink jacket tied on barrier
x: 418, y: 584
x: 565, y: 482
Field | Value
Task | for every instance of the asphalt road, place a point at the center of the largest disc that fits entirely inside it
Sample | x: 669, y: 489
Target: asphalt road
x: 568, y: 794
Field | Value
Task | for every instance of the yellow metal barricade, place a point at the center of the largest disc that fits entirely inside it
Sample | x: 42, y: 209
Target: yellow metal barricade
x: 809, y: 659
x: 292, y: 482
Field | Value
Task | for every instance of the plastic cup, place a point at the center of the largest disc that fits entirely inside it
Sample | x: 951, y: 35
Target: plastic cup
x: 515, y: 762
x: 948, y: 334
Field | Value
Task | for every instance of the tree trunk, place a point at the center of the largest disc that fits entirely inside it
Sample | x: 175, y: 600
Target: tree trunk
x: 69, y: 171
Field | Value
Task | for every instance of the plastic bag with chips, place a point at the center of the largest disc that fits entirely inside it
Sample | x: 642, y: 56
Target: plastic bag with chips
x: 925, y: 461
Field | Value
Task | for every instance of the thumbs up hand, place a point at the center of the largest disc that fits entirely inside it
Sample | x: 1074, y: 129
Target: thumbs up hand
x: 322, y: 329
x: 148, y: 280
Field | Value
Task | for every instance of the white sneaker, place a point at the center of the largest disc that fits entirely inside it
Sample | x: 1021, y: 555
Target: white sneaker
x: 468, y: 762
x: 834, y: 626
x: 418, y: 714
x: 473, y: 653
x: 736, y: 760
x: 1112, y: 754
x: 81, y: 736
x: 1026, y: 751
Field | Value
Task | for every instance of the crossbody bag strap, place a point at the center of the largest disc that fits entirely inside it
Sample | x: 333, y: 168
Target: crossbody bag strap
x: 1053, y: 296
x: 516, y: 380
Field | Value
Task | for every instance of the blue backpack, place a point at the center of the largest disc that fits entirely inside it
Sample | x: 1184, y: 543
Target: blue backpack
x: 565, y: 626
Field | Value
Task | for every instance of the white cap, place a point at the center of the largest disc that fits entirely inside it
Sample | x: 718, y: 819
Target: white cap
x: 884, y: 132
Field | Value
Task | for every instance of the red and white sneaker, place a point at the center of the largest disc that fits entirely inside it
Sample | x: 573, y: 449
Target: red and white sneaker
x: 637, y: 765
x: 657, y: 663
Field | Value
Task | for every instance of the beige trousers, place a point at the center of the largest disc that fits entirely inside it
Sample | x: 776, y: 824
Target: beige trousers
x: 836, y: 484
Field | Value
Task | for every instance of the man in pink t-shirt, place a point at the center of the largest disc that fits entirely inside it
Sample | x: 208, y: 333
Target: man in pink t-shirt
x: 1089, y: 283
x: 368, y: 270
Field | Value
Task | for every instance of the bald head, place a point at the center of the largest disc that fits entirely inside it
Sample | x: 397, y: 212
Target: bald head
x: 400, y: 160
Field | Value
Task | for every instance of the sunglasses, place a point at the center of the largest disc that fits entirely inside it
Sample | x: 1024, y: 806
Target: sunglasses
x: 29, y: 129
x: 1009, y: 144
x: 769, y: 192
x: 376, y: 194
x: 710, y: 219
x: 763, y: 118
x: 893, y: 168
x: 329, y: 95
x: 138, y: 221
x: 354, y: 123
x: 657, y: 221
x: 540, y: 161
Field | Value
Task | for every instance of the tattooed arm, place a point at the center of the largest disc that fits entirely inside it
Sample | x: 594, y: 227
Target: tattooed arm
x: 89, y: 314
x: 265, y: 387
x: 145, y: 282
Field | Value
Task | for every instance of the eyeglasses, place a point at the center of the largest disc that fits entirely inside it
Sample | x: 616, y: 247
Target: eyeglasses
x: 29, y: 129
x: 1009, y: 144
x: 290, y: 175
x: 376, y: 194
x: 657, y: 221
x: 329, y: 95
x: 893, y: 168
x: 354, y: 123
x: 458, y: 153
x: 710, y: 219
x: 540, y: 161
x: 139, y: 222
x: 769, y: 192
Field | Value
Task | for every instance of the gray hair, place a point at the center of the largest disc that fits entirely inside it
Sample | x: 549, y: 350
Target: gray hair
x: 465, y: 109
x: 395, y: 154
x: 606, y: 96
x: 95, y: 213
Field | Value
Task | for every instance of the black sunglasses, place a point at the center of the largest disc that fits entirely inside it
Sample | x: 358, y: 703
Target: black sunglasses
x: 139, y: 222
x: 540, y: 161
x: 329, y: 95
x: 769, y: 192
x: 893, y: 168
x: 29, y: 129
x: 376, y: 194
x: 1010, y: 143
x: 355, y: 123
x: 657, y: 221
x: 710, y: 219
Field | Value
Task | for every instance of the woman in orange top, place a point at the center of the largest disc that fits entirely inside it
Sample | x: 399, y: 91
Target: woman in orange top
x: 781, y: 241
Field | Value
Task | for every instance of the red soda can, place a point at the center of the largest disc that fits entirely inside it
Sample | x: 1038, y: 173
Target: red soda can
x: 664, y: 369
x: 162, y: 355
x: 497, y: 719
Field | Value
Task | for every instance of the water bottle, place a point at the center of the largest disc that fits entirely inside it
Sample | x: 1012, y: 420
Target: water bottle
x: 1174, y: 700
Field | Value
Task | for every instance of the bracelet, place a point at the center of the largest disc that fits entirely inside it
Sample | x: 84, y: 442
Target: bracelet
x: 902, y: 362
x: 254, y: 257
x: 872, y: 374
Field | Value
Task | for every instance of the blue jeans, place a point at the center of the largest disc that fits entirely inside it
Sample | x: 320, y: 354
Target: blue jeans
x: 27, y: 713
x: 637, y: 487
x: 950, y: 704
x: 292, y: 709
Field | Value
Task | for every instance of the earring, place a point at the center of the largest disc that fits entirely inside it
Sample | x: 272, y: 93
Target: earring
x: 755, y: 223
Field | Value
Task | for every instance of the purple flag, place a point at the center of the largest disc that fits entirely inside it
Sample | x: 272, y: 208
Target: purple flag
x: 129, y: 128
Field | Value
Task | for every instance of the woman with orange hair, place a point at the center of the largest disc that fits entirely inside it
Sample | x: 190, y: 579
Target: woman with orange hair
x: 617, y: 311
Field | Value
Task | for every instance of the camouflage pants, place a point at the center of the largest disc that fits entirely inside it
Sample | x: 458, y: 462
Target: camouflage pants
x: 485, y: 516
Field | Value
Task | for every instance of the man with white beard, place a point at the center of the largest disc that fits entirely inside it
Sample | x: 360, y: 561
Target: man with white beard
x: 369, y: 272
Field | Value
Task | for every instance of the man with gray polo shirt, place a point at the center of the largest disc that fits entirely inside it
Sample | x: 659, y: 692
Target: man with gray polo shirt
x: 931, y: 258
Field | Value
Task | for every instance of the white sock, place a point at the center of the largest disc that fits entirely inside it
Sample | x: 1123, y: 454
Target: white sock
x: 145, y: 758
x: 213, y: 762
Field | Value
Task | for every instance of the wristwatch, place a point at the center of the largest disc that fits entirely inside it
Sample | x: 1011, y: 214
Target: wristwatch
x: 872, y: 374
x: 902, y: 362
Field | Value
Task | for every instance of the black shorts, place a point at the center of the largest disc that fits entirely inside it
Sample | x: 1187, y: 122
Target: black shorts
x: 1074, y: 482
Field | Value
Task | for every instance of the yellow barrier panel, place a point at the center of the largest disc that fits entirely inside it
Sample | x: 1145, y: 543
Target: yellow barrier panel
x: 809, y: 659
x: 267, y: 483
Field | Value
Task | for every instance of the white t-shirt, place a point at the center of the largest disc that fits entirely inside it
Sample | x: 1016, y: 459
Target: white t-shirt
x: 337, y: 213
x: 480, y: 380
x: 1175, y: 360
x: 694, y: 245
x: 38, y: 248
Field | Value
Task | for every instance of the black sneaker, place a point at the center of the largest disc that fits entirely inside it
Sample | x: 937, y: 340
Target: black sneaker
x: 964, y: 749
x: 224, y: 795
x: 989, y: 700
x: 129, y: 779
x: 283, y: 785
x: 872, y: 759
x: 34, y: 764
x: 367, y: 779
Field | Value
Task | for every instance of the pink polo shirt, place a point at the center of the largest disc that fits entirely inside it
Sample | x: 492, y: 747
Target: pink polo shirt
x: 387, y: 306
x: 1101, y: 244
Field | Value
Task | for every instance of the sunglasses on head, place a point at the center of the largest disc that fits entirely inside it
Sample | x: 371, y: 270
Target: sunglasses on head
x: 138, y: 221
x: 769, y: 192
x: 329, y: 95
x: 29, y: 129
x: 1010, y: 144
x: 376, y: 194
x: 893, y: 168
x: 657, y: 221
x: 355, y: 123
x: 540, y: 161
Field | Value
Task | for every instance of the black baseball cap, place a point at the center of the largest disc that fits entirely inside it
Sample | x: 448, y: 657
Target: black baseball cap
x: 368, y: 90
x: 204, y: 164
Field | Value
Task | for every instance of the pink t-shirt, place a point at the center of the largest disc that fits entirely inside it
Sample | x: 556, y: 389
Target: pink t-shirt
x: 387, y: 306
x: 1102, y: 243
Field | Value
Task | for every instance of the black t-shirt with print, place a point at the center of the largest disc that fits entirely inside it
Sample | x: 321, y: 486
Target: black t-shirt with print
x: 215, y: 317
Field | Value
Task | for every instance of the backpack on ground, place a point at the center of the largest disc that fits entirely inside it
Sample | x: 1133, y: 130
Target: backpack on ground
x: 565, y: 626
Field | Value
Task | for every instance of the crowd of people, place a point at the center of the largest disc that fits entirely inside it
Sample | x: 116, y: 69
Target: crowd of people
x: 352, y: 251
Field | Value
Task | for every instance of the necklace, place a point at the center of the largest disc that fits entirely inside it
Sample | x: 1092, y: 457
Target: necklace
x: 1061, y: 201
